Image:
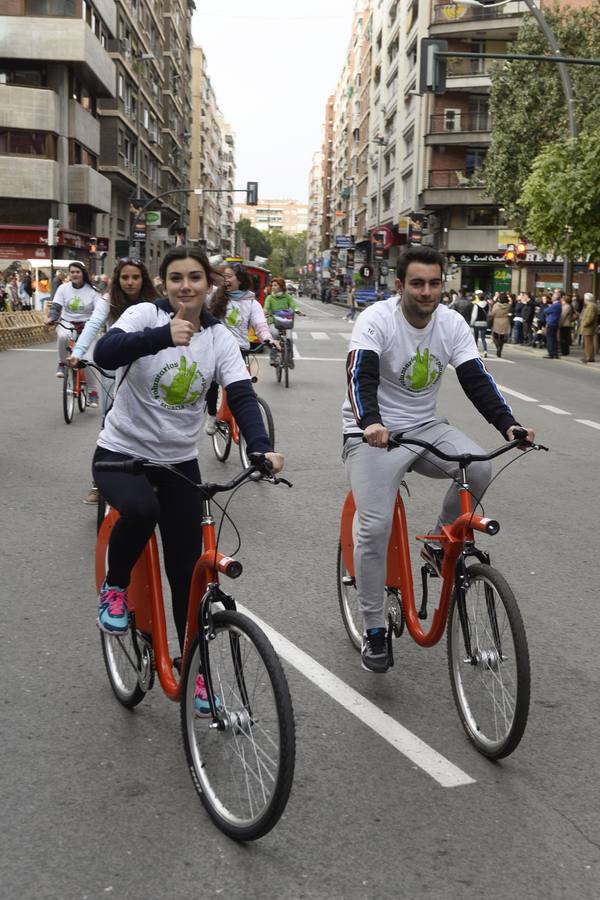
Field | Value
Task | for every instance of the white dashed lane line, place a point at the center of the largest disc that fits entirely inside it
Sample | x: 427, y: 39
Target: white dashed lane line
x: 589, y: 423
x: 555, y: 409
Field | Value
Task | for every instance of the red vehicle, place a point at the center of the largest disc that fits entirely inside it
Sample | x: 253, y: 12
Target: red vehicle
x: 260, y: 276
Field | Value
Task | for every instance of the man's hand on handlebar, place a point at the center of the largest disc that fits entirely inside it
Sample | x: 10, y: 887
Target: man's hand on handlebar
x: 73, y: 361
x: 516, y: 432
x: 376, y: 435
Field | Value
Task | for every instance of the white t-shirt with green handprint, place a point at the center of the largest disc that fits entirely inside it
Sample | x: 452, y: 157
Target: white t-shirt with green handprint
x: 159, y: 405
x: 411, y: 361
x: 243, y: 314
x: 77, y: 303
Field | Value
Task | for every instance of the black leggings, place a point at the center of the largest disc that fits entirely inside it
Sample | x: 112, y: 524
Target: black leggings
x: 143, y: 501
x: 211, y: 399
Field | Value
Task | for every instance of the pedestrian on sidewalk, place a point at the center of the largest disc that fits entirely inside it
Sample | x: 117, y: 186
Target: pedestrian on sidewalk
x: 553, y: 312
x: 349, y: 317
x: 462, y: 305
x: 527, y: 313
x: 500, y: 322
x: 589, y: 324
x: 567, y: 317
x: 479, y: 317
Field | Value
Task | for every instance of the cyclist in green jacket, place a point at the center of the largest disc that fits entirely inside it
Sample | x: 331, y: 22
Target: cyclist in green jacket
x: 276, y: 301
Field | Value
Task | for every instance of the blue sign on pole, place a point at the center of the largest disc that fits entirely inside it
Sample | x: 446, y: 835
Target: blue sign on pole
x: 344, y: 241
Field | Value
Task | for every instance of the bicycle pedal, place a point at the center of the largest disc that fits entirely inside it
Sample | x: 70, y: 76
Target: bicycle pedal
x: 348, y: 580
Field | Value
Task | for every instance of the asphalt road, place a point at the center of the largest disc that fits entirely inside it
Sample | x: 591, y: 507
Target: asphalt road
x: 97, y: 801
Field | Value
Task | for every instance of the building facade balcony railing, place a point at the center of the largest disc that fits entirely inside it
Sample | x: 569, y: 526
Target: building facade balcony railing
x: 459, y: 122
x: 446, y: 13
x: 455, y: 178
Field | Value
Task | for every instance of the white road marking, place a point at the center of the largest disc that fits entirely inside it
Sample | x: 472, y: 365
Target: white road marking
x: 417, y: 751
x: 344, y: 334
x: 34, y: 349
x: 516, y: 394
x: 555, y: 409
x: 321, y: 359
x: 589, y: 423
x: 318, y: 309
x: 320, y: 336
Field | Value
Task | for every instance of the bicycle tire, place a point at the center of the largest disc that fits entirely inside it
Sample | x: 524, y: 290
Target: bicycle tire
x: 121, y: 667
x: 68, y: 394
x: 495, y: 725
x: 82, y: 397
x: 348, y: 601
x: 245, y: 806
x: 267, y: 417
x: 278, y: 369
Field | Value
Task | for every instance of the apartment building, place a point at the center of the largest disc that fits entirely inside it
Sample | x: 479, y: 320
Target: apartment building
x: 146, y: 126
x: 213, y: 166
x: 315, y: 206
x: 408, y: 167
x: 270, y: 215
x: 55, y: 71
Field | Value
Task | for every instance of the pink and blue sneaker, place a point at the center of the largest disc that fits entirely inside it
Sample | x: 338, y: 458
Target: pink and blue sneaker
x: 112, y: 609
x: 201, y: 698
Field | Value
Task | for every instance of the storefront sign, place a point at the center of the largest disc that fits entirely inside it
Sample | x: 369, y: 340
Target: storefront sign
x: 417, y: 226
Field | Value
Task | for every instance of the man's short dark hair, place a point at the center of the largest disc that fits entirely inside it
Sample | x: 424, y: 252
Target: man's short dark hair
x: 426, y: 255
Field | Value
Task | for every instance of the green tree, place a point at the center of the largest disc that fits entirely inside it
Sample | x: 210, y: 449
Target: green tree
x: 288, y: 253
x: 257, y: 242
x: 528, y: 106
x: 561, y: 197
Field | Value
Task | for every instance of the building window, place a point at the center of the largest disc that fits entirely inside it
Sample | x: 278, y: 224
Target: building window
x: 480, y: 217
x: 23, y: 77
x: 474, y: 160
x: 409, y: 142
x: 62, y: 8
x: 80, y: 155
x: 407, y: 188
x: 27, y: 143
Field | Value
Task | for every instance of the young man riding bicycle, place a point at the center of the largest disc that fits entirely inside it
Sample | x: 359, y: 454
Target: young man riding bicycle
x: 398, y: 353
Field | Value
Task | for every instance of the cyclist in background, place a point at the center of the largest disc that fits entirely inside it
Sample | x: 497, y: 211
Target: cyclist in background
x: 166, y: 354
x: 72, y: 305
x: 399, y: 350
x: 235, y: 304
x: 277, y: 301
x: 130, y: 284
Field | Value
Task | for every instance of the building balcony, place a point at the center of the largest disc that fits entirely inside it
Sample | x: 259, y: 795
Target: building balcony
x: 454, y: 127
x: 31, y: 109
x: 57, y: 40
x: 454, y: 187
x: 22, y: 178
x: 83, y: 127
x: 453, y: 20
x: 89, y: 188
x: 468, y: 74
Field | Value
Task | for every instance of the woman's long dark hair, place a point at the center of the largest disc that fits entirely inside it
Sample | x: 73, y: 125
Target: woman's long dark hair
x: 219, y: 302
x: 119, y: 301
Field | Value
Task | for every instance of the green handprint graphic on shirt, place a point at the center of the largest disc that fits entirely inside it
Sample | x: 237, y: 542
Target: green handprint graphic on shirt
x: 75, y: 304
x: 178, y: 392
x: 233, y: 318
x: 423, y: 374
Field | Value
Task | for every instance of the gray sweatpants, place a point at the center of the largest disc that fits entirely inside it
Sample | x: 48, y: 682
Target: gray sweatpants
x: 375, y: 476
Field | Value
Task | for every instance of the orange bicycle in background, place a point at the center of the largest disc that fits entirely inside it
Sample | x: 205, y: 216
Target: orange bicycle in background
x: 227, y: 431
x: 241, y: 757
x: 74, y: 381
x: 488, y: 656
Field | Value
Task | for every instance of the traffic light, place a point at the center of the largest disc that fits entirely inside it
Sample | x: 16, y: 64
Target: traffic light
x: 592, y: 265
x: 521, y: 251
x: 93, y: 245
x: 53, y: 226
x: 510, y: 256
x: 434, y: 68
x: 251, y: 193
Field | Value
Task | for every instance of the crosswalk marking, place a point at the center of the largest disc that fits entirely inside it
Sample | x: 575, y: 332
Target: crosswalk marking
x: 320, y: 336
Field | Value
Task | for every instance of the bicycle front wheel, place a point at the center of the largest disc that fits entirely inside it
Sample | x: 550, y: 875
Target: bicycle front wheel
x: 242, y: 769
x: 348, y: 600
x: 267, y: 418
x: 491, y: 689
x: 82, y: 394
x: 68, y: 394
x: 221, y: 440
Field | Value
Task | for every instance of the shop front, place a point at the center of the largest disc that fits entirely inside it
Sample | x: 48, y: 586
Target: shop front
x: 485, y: 272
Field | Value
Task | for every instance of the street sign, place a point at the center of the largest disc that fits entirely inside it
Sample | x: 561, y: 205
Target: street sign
x: 344, y: 240
x: 160, y: 234
x: 153, y: 218
x: 384, y: 270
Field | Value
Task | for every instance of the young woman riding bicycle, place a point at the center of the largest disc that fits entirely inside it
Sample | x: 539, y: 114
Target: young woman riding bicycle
x: 277, y: 301
x: 167, y: 354
x: 235, y: 304
x: 130, y: 284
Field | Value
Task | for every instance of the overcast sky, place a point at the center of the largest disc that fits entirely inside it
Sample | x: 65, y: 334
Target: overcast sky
x: 273, y: 64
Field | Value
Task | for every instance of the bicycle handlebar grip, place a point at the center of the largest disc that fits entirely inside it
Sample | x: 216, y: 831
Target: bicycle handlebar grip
x: 520, y: 434
x: 127, y: 466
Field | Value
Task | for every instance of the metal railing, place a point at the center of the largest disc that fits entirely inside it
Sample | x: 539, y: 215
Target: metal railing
x: 459, y: 122
x: 449, y: 13
x: 455, y: 178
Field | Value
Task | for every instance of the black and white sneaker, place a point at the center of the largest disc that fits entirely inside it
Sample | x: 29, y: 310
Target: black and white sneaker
x: 374, y: 653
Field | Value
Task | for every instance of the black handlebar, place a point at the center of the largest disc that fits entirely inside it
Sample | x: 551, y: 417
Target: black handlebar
x: 465, y: 459
x: 259, y: 463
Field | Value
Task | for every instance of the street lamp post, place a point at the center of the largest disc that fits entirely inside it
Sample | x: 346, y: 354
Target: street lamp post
x: 381, y: 142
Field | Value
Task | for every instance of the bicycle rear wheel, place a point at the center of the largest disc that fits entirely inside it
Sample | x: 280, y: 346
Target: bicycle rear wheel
x: 242, y: 769
x: 285, y: 363
x: 129, y: 682
x: 68, y: 394
x: 491, y: 690
x: 267, y: 417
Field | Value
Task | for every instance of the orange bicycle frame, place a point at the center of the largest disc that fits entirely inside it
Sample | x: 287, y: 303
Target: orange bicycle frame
x: 145, y: 595
x: 399, y: 574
